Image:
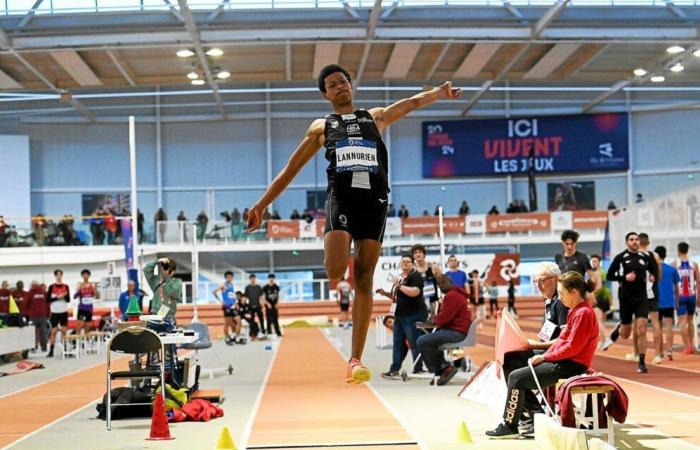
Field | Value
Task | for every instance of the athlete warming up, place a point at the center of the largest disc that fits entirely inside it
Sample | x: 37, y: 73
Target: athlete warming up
x: 357, y: 188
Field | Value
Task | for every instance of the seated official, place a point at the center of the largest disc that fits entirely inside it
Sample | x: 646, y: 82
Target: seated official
x: 555, y: 313
x: 452, y: 322
x: 570, y: 355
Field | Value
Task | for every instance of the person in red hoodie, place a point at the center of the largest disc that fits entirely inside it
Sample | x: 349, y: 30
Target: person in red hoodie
x: 571, y: 354
x: 5, y: 298
x: 37, y: 309
x: 452, y: 321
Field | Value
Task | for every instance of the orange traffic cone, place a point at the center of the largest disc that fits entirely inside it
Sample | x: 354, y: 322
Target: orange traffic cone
x: 159, y: 422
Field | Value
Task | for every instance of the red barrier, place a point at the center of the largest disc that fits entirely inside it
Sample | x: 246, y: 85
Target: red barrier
x: 590, y: 219
x: 283, y: 228
x: 504, y: 223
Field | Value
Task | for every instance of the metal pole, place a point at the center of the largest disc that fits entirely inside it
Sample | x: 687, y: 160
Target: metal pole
x: 134, y: 195
x: 268, y: 140
x: 630, y: 150
x: 195, y: 274
x: 442, y: 238
x: 159, y: 152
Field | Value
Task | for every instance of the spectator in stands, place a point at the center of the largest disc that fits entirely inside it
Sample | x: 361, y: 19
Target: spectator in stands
x: 5, y: 298
x: 3, y: 231
x: 295, y: 215
x: 511, y: 208
x: 39, y: 229
x: 245, y: 215
x: 21, y: 297
x: 182, y: 224
x: 426, y: 213
x: 611, y: 206
x: 640, y: 198
x: 110, y: 227
x: 161, y: 229
x: 392, y: 210
x: 403, y: 212
x: 307, y: 216
x: 125, y: 298
x: 410, y: 309
x: 452, y: 322
x: 235, y: 216
x: 37, y: 309
x: 521, y: 206
x: 202, y: 221
x: 493, y: 211
x: 266, y: 215
x: 276, y: 215
x: 463, y: 208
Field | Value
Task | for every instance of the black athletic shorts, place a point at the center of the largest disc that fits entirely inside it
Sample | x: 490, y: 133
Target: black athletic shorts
x: 230, y: 312
x: 636, y: 307
x: 345, y: 307
x: 653, y: 304
x: 481, y: 300
x: 603, y: 305
x: 56, y: 319
x: 364, y: 217
x: 666, y: 313
x: 84, y: 315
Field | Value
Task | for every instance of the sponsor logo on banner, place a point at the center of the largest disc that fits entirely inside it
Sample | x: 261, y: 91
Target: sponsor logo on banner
x: 503, y: 223
x: 645, y: 217
x: 306, y: 229
x: 476, y: 224
x: 562, y: 220
x: 453, y: 224
x: 590, y: 219
x: 503, y: 269
x: 283, y: 228
x: 695, y: 217
x: 393, y: 226
x: 420, y: 225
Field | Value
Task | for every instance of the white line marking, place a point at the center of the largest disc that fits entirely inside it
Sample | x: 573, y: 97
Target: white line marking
x: 27, y: 436
x: 254, y: 412
x: 420, y: 442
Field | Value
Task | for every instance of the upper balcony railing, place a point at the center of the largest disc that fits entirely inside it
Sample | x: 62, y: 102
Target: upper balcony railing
x: 21, y: 7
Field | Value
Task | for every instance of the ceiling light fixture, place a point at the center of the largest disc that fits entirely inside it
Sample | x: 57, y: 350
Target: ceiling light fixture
x: 215, y: 52
x: 678, y: 67
x: 697, y: 53
x: 197, y: 82
x: 193, y: 75
x: 184, y: 53
x: 640, y: 72
x: 222, y: 75
x: 675, y: 49
x: 658, y: 79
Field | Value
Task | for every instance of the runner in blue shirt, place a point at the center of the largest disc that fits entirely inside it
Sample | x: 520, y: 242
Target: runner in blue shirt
x: 669, y: 293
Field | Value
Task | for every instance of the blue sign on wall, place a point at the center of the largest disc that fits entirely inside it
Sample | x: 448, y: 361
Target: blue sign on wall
x: 579, y: 143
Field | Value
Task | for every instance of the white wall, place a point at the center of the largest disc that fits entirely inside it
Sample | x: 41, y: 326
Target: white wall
x: 15, y: 180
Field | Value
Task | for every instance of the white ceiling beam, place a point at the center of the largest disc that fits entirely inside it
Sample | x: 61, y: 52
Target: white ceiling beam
x: 369, y: 33
x: 121, y: 66
x: 30, y: 14
x: 438, y: 61
x: 590, y: 60
x: 363, y: 64
x: 488, y: 83
x: 325, y: 53
x: 512, y: 10
x: 350, y: 10
x: 201, y: 56
x: 551, y: 61
x: 173, y: 9
x: 390, y: 10
x: 373, y: 19
x: 401, y: 60
x: 476, y: 60
x: 219, y: 9
x: 548, y: 17
x: 675, y: 9
x: 76, y: 67
x: 7, y: 82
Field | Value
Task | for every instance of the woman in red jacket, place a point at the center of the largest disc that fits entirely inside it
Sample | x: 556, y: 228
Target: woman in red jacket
x: 571, y: 355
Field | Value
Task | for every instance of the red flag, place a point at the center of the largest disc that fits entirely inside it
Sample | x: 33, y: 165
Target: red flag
x: 509, y: 336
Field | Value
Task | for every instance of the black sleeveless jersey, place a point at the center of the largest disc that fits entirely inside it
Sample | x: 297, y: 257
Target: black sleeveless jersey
x: 357, y: 156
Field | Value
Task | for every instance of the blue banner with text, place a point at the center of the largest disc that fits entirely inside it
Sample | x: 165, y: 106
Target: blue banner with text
x: 559, y: 144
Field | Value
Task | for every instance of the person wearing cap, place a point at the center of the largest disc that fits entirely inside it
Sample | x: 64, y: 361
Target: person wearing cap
x: 271, y: 291
x: 167, y: 289
x: 37, y: 308
x: 125, y: 298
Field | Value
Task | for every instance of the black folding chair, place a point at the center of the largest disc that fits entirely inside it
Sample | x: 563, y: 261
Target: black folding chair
x: 135, y: 341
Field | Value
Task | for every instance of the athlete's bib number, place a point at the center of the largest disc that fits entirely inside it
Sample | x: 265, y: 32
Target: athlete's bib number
x: 163, y: 311
x: 392, y: 309
x: 356, y: 155
x: 429, y: 290
x: 86, y: 301
x: 547, y: 330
